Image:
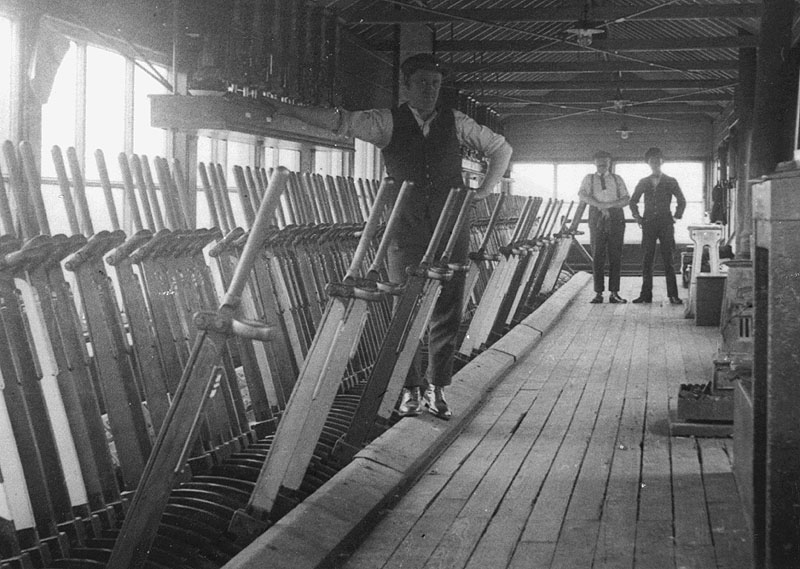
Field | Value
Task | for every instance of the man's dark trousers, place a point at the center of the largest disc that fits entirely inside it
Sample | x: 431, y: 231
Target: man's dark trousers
x: 446, y: 317
x: 607, y: 236
x: 662, y: 231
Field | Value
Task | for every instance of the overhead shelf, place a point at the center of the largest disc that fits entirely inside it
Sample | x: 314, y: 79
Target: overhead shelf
x: 235, y: 119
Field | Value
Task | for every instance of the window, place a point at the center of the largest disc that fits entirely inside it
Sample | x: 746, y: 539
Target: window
x: 58, y: 128
x: 270, y: 154
x: 106, y: 85
x: 562, y: 181
x: 147, y: 139
x: 289, y: 158
x: 58, y: 114
x: 366, y: 161
x: 239, y: 154
x: 534, y: 179
x: 322, y: 161
x: 569, y: 178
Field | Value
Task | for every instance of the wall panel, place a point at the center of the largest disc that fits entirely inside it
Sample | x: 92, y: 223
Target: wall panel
x: 577, y: 138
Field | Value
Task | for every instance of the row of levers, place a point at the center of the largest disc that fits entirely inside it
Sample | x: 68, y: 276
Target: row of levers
x: 170, y: 391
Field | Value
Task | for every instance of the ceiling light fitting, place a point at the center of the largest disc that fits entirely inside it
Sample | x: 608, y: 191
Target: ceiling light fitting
x: 584, y: 30
x: 584, y: 35
x: 624, y: 132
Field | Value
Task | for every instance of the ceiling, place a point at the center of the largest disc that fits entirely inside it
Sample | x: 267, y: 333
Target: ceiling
x: 647, y: 58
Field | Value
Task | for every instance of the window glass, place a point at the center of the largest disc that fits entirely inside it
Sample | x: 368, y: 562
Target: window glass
x: 269, y: 157
x: 58, y: 114
x: 366, y: 161
x: 359, y: 159
x: 105, y: 108
x: 205, y: 149
x: 563, y: 181
x: 6, y: 49
x: 289, y: 158
x: 569, y: 178
x: 147, y: 139
x: 533, y: 179
x: 239, y: 154
x: 322, y: 161
x: 631, y: 172
x: 691, y: 177
x: 338, y: 158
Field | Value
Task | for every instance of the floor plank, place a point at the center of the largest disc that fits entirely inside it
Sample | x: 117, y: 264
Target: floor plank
x: 570, y: 463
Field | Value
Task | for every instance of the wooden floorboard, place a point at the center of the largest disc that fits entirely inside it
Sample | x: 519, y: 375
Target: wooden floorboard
x: 570, y: 464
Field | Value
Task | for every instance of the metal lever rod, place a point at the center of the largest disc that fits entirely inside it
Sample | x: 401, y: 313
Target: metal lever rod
x: 130, y: 195
x: 369, y: 231
x: 225, y: 197
x: 108, y: 192
x: 209, y: 192
x: 391, y: 226
x: 34, y: 186
x: 19, y: 201
x: 66, y: 192
x: 258, y: 233
x: 182, y: 192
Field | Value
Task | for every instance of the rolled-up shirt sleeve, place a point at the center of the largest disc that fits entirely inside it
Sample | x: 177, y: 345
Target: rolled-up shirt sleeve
x: 374, y: 126
x: 477, y: 137
x: 585, y: 190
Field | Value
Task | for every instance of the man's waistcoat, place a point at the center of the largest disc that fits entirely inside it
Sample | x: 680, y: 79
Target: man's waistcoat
x: 433, y: 163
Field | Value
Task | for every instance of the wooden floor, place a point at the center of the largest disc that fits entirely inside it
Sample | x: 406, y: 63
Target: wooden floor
x: 570, y: 463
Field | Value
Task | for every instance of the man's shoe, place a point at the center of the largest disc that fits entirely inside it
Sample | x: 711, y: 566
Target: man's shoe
x: 614, y: 298
x: 410, y: 403
x: 675, y: 300
x: 642, y: 300
x: 434, y: 399
x: 598, y: 299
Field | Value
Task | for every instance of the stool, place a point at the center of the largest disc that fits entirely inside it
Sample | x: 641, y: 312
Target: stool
x: 703, y: 236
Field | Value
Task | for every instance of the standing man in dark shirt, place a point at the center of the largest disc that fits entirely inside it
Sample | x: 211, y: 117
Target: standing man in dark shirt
x: 657, y: 224
x: 421, y: 141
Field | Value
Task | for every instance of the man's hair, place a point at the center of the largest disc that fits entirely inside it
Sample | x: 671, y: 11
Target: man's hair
x: 424, y: 61
x: 653, y: 152
x: 601, y: 154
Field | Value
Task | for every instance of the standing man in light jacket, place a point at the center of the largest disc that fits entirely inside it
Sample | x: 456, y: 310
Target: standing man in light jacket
x: 606, y: 195
x: 421, y: 142
x: 658, y: 224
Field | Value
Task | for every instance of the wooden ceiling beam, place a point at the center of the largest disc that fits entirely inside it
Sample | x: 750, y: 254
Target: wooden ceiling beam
x: 612, y: 14
x: 626, y: 85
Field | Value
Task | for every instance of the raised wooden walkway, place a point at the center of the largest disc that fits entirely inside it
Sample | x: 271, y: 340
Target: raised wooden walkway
x: 569, y: 464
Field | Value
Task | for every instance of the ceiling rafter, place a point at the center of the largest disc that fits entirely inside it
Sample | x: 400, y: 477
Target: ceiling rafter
x: 590, y: 66
x: 654, y: 109
x: 511, y: 54
x: 650, y: 44
x: 615, y: 14
x: 594, y: 97
x: 594, y: 85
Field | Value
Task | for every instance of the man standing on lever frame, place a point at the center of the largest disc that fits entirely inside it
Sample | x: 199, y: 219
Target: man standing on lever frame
x: 421, y: 142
